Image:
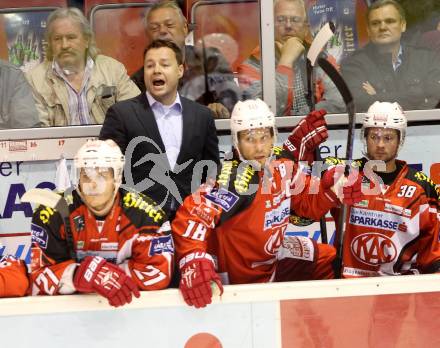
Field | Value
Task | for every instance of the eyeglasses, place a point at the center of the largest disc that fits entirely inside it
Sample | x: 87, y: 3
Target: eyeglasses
x: 294, y: 20
x: 387, y: 138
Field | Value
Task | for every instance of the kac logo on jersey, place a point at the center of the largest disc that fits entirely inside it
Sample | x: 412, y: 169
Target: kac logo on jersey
x: 274, y: 242
x: 39, y: 236
x: 277, y: 216
x: 373, y: 249
x: 223, y: 198
x: 161, y: 245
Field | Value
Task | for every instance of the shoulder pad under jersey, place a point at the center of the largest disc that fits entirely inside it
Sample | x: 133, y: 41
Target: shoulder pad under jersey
x: 47, y: 215
x: 334, y: 161
x: 237, y: 185
x: 238, y: 177
x: 431, y: 189
x: 141, y: 209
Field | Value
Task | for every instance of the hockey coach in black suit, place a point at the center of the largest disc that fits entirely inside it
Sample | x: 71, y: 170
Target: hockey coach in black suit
x: 164, y: 136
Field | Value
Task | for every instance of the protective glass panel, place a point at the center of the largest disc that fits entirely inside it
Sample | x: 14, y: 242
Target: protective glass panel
x: 22, y: 46
x: 226, y: 35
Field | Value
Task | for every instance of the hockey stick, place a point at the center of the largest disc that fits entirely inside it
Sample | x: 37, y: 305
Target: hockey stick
x: 57, y: 202
x: 318, y: 44
x: 342, y: 87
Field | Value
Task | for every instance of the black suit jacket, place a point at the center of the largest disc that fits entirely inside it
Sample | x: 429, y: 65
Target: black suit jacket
x: 132, y: 125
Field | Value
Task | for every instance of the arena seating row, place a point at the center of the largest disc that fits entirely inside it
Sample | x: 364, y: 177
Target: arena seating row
x: 119, y: 25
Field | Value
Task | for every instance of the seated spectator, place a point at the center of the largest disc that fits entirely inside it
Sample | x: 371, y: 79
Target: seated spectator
x: 119, y: 241
x: 165, y: 20
x: 75, y: 85
x: 17, y: 107
x: 422, y: 23
x: 431, y: 38
x: 291, y: 31
x: 387, y: 69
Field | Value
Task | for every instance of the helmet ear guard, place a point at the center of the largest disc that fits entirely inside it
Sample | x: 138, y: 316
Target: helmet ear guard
x: 385, y: 115
x: 251, y: 114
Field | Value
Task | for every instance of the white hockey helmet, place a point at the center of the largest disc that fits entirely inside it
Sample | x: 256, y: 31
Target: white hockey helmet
x: 99, y: 154
x: 385, y: 115
x: 251, y: 114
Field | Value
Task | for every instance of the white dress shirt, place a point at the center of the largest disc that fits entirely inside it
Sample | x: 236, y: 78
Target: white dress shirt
x: 170, y: 124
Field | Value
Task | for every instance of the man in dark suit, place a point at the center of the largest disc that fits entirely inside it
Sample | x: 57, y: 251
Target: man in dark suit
x: 389, y: 70
x: 164, y: 136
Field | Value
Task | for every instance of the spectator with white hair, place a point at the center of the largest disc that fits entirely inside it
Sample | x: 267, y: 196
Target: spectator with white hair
x: 207, y: 77
x: 76, y: 85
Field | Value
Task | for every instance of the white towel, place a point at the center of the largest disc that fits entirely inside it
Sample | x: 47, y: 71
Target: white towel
x: 62, y: 178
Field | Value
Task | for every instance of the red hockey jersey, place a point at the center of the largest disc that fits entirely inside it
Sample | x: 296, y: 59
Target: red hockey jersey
x: 393, y: 232
x: 135, y: 235
x: 241, y: 220
x: 13, y: 277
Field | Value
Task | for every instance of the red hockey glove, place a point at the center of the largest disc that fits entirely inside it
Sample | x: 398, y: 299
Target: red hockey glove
x: 306, y: 136
x: 13, y: 277
x: 347, y: 189
x: 197, y: 273
x: 10, y: 262
x: 107, y: 279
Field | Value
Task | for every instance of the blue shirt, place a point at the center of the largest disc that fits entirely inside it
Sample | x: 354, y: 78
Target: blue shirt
x: 398, y: 59
x: 169, y: 122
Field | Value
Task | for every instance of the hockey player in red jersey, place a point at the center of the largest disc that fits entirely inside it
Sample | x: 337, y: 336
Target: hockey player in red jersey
x: 13, y: 277
x: 396, y: 230
x: 238, y: 222
x: 121, y: 240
